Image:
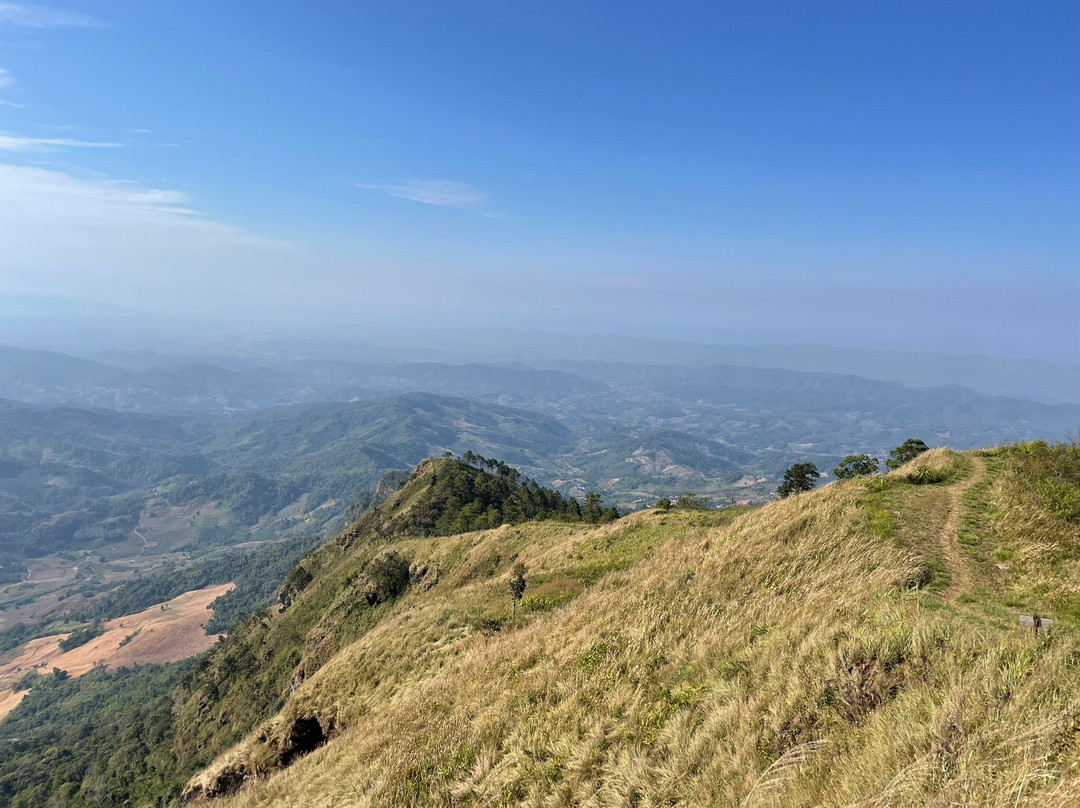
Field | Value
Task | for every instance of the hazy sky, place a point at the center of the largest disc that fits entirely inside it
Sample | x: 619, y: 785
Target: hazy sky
x: 901, y: 174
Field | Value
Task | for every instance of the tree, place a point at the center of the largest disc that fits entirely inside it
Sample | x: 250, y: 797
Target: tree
x: 517, y: 584
x: 908, y: 450
x: 800, y: 477
x: 860, y: 465
x: 663, y: 504
x: 591, y: 510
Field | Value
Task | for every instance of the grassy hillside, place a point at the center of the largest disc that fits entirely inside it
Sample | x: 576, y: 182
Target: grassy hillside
x: 856, y: 645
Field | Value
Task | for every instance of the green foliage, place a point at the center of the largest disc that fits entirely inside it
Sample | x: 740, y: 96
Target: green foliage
x: 800, y: 477
x: 480, y: 494
x: 597, y: 653
x: 517, y: 584
x: 387, y: 576
x: 663, y: 504
x: 246, y: 495
x: 1054, y: 473
x: 295, y: 583
x: 545, y: 603
x: 81, y: 636
x: 924, y: 475
x: 860, y: 465
x: 486, y: 623
x: 690, y: 501
x: 99, y: 740
x: 908, y: 450
x: 257, y: 575
x: 593, y: 509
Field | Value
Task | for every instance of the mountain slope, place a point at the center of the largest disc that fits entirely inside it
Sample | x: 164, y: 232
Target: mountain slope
x: 856, y: 645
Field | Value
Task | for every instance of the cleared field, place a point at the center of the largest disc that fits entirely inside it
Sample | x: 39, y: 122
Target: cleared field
x: 167, y: 632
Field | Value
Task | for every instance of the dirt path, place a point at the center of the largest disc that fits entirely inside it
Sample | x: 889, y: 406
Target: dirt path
x: 144, y: 542
x: 959, y: 571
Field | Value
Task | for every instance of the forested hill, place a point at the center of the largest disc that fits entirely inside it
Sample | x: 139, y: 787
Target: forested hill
x: 472, y: 493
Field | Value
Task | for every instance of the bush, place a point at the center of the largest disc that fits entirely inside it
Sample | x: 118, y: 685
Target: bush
x: 387, y: 577
x: 81, y: 637
x: 690, y: 501
x: 924, y: 475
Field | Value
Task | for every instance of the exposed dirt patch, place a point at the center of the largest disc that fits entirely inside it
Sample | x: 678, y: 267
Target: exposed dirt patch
x: 9, y: 700
x: 959, y: 573
x: 167, y: 632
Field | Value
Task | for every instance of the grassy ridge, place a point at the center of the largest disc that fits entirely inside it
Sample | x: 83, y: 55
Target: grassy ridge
x: 836, y: 648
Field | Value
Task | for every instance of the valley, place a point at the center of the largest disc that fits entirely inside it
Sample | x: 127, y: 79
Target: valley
x: 247, y: 451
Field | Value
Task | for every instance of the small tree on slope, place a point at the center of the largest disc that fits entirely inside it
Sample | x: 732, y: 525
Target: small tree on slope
x: 517, y: 585
x: 860, y: 465
x: 800, y: 477
x: 908, y: 450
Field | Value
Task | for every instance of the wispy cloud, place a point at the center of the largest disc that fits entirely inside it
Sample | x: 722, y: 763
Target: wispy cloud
x: 33, y: 198
x: 431, y: 192
x: 131, y: 242
x: 5, y: 78
x: 33, y: 16
x: 4, y: 103
x: 13, y: 143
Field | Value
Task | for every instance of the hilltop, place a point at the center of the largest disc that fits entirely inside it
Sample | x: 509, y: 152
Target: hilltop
x: 854, y: 645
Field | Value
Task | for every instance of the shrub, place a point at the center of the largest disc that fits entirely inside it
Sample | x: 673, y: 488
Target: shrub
x: 691, y: 501
x: 924, y: 475
x: 387, y: 577
x: 81, y: 637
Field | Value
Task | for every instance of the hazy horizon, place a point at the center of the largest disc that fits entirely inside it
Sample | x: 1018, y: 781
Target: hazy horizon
x: 898, y: 178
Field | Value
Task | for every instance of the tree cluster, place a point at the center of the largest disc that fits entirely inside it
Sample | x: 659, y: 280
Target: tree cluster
x: 476, y: 493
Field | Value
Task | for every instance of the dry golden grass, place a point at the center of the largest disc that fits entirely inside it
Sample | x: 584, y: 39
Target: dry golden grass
x: 790, y: 657
x: 167, y: 632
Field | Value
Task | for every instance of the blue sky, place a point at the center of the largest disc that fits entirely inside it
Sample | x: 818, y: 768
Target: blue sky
x: 899, y: 174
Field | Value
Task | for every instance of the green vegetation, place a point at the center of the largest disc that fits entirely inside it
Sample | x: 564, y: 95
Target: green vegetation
x: 517, y: 586
x: 860, y: 465
x: 906, y: 452
x: 81, y: 636
x: 797, y: 479
x: 102, y: 739
x: 257, y: 576
x: 691, y: 501
x: 464, y: 497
